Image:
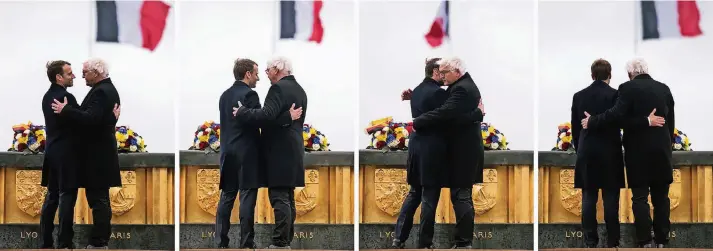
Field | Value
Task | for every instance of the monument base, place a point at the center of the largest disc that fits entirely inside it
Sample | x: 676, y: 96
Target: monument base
x: 123, y: 236
x: 307, y: 236
x: 682, y: 235
x: 485, y: 236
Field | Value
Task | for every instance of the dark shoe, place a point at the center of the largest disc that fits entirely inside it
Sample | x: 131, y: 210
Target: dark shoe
x: 93, y: 247
x: 462, y: 247
x: 659, y: 246
x: 222, y: 246
x: 429, y: 247
x: 397, y: 244
x: 272, y: 246
x: 648, y: 245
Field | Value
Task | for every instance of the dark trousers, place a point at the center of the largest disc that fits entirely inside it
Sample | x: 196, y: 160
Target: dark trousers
x: 98, y: 200
x: 462, y: 199
x: 248, y: 199
x: 282, y: 201
x: 642, y: 217
x: 610, y: 196
x: 65, y: 200
x: 427, y: 198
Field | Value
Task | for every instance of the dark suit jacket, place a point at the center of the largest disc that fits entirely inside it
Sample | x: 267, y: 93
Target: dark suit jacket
x: 600, y: 161
x: 464, y: 139
x: 283, y: 145
x: 241, y: 163
x: 99, y: 161
x: 647, y: 149
x: 60, y: 166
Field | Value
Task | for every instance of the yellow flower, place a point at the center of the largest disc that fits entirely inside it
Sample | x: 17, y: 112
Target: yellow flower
x: 203, y: 138
x: 485, y: 134
x: 22, y: 140
x: 312, y: 131
x: 381, y: 137
x: 491, y: 129
x: 305, y: 136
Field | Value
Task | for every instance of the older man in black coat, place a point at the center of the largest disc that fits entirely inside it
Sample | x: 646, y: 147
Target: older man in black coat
x: 464, y: 143
x: 99, y: 163
x: 427, y: 159
x: 241, y: 163
x: 59, y: 169
x: 283, y: 146
x: 648, y: 149
x: 600, y: 161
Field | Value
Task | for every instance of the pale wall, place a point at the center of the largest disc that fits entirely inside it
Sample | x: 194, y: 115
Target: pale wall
x: 214, y: 34
x: 33, y: 33
x: 495, y: 39
x: 573, y: 34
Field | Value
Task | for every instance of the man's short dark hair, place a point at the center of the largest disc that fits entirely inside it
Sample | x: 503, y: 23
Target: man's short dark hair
x: 430, y: 65
x: 241, y: 67
x: 601, y: 69
x: 54, y: 68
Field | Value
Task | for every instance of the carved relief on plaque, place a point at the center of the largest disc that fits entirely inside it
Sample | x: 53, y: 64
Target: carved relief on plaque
x: 123, y: 198
x: 208, y: 189
x: 674, y: 192
x: 484, y: 195
x: 391, y: 189
x: 29, y: 192
x: 306, y: 197
x: 570, y: 197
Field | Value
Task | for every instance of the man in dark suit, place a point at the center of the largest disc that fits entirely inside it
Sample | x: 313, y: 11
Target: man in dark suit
x: 600, y: 161
x: 240, y: 158
x: 283, y: 146
x: 464, y: 143
x: 99, y: 168
x: 648, y: 149
x: 426, y: 160
x: 59, y: 169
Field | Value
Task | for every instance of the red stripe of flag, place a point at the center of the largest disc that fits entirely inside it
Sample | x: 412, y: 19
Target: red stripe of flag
x: 689, y: 18
x: 153, y: 22
x: 317, y: 29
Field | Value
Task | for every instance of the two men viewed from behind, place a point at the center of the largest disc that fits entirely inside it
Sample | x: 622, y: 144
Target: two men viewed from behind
x: 261, y: 146
x: 80, y: 153
x: 644, y: 109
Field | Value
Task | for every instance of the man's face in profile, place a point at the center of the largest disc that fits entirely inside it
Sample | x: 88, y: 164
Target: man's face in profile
x: 66, y: 79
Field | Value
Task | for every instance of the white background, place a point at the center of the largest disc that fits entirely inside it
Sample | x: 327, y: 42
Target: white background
x: 32, y: 33
x: 495, y: 40
x: 573, y: 34
x: 214, y: 34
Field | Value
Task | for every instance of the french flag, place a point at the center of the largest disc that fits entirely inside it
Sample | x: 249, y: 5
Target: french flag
x: 664, y: 19
x: 140, y: 23
x: 439, y: 28
x: 300, y: 20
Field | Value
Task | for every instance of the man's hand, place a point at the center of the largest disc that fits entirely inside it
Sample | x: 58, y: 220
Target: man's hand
x: 58, y: 106
x: 117, y: 111
x: 481, y: 106
x: 406, y: 95
x: 235, y: 109
x: 585, y: 121
x: 295, y: 113
x: 656, y: 120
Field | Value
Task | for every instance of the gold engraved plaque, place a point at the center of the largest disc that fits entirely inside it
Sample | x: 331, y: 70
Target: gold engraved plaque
x: 483, y: 198
x: 306, y: 197
x: 29, y: 193
x: 208, y: 181
x: 570, y: 197
x: 123, y: 198
x: 391, y: 189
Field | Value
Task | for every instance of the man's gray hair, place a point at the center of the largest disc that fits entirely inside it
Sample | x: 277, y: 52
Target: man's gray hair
x: 281, y: 64
x: 99, y: 66
x: 454, y: 63
x: 637, y: 67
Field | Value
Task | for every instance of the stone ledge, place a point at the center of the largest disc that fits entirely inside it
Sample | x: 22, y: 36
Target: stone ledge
x: 682, y: 235
x: 24, y: 236
x: 486, y: 236
x: 307, y: 236
x: 492, y: 158
x: 127, y: 161
x: 568, y: 159
x: 312, y: 159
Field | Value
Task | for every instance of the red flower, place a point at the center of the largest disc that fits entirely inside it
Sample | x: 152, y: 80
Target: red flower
x: 380, y: 144
x: 568, y: 133
x: 488, y: 140
x: 21, y: 147
x: 565, y: 146
x: 203, y: 145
